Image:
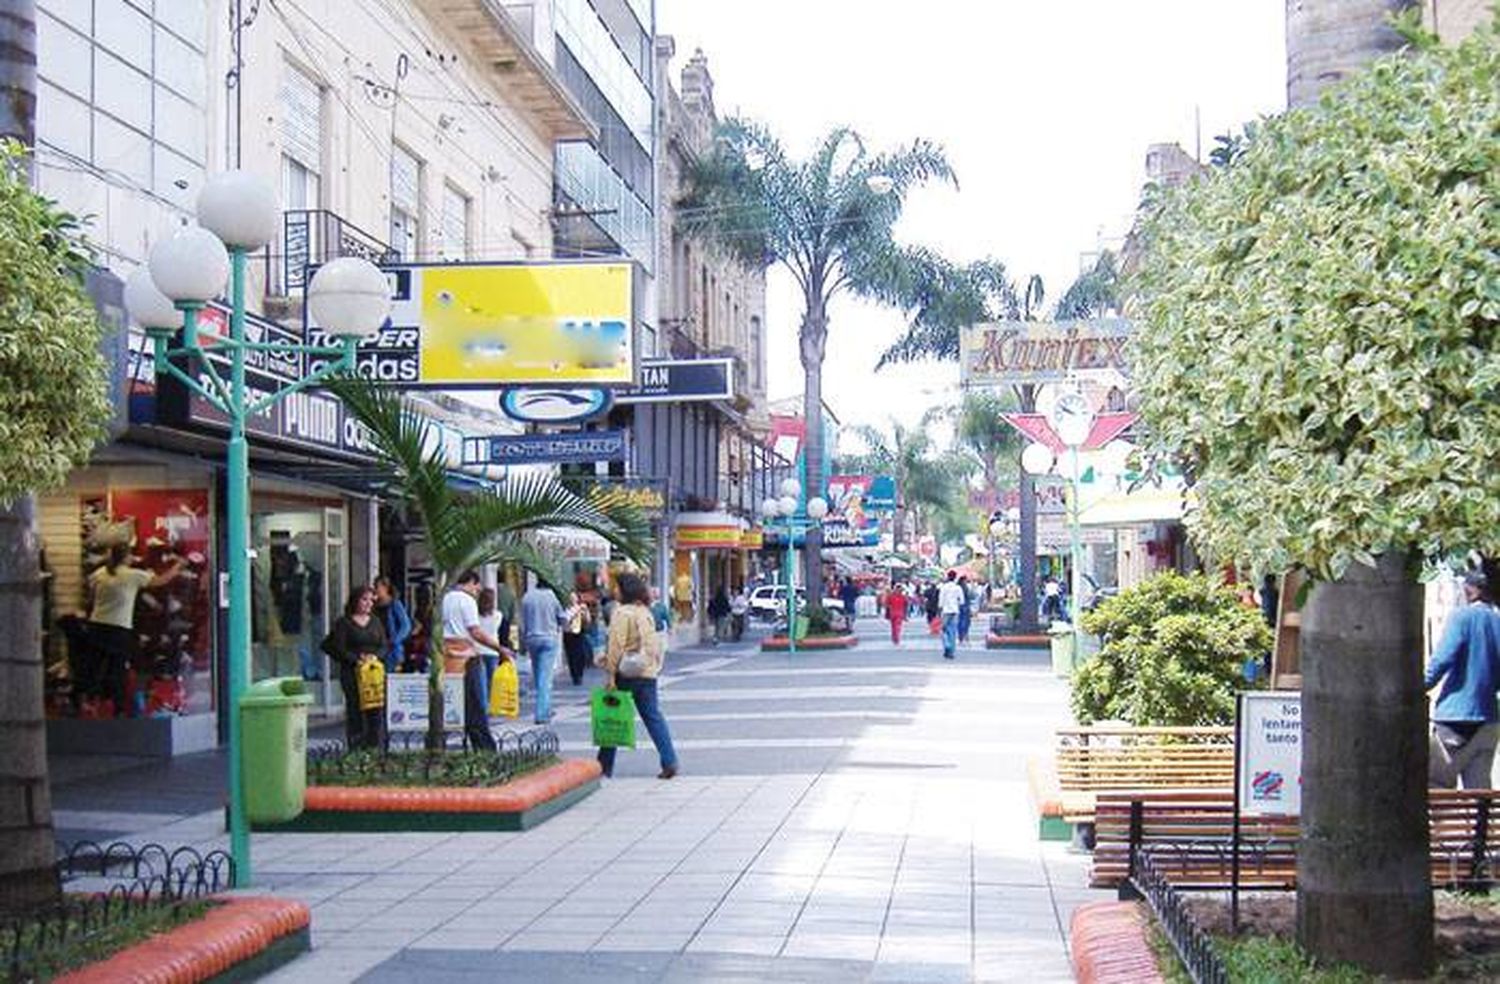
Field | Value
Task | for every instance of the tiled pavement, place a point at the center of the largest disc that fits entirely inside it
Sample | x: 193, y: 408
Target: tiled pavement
x: 858, y: 816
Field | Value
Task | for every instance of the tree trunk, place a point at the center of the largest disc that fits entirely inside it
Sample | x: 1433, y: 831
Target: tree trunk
x: 27, y: 875
x: 1026, y: 562
x: 813, y: 338
x: 1326, y: 40
x: 1364, y: 893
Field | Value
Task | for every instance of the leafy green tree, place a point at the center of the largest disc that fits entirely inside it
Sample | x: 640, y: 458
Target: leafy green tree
x: 54, y: 406
x: 1318, y: 344
x: 1174, y: 650
x: 829, y: 220
x: 466, y: 530
x: 985, y: 434
x: 925, y: 480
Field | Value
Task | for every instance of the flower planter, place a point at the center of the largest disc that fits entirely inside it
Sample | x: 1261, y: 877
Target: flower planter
x: 238, y: 939
x: 1039, y: 642
x: 517, y: 805
x: 779, y: 644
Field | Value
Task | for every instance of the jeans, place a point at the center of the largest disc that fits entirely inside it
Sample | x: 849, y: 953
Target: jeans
x: 643, y: 692
x: 491, y: 663
x: 950, y: 635
x: 543, y: 663
x: 1452, y: 757
x: 476, y: 710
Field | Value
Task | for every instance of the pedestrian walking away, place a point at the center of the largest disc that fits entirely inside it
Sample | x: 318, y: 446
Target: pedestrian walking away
x: 1466, y: 719
x: 966, y: 610
x: 718, y: 613
x: 577, y: 648
x: 542, y: 619
x: 632, y: 660
x: 895, y: 613
x: 950, y: 603
x: 463, y: 634
x: 489, y: 620
x: 357, y: 638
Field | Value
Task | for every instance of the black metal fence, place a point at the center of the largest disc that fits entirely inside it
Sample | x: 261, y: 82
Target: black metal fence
x: 1193, y: 945
x: 106, y: 886
x: 405, y: 759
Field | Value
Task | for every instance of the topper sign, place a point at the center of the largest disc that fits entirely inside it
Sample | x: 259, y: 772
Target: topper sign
x: 1014, y: 352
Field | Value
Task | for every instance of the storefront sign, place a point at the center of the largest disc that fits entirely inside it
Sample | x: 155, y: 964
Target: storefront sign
x: 483, y: 326
x: 682, y: 381
x: 704, y: 531
x: 406, y: 702
x: 841, y: 533
x: 576, y: 448
x: 1008, y: 353
x: 570, y: 544
x: 539, y: 405
x: 649, y: 496
x: 752, y: 539
x: 1268, y: 740
x: 308, y: 419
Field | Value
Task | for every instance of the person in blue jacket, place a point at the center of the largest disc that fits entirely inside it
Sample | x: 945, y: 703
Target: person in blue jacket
x: 397, y: 622
x: 1466, y: 719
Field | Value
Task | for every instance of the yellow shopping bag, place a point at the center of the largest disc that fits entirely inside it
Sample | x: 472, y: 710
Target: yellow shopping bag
x: 370, y: 678
x: 505, y: 691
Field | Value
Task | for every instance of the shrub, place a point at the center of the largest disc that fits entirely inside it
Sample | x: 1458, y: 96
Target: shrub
x: 1173, y: 654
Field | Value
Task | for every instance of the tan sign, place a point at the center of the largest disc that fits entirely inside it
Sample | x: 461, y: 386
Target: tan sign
x: 1011, y: 352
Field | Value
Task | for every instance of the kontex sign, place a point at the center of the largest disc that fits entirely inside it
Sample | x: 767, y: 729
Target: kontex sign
x: 1005, y: 353
x: 490, y: 325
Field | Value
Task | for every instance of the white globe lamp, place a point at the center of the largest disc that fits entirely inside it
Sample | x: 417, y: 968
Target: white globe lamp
x: 1037, y: 459
x: 151, y: 309
x: 997, y: 528
x: 240, y: 208
x: 817, y: 507
x: 770, y: 508
x: 791, y: 487
x: 788, y: 505
x: 349, y: 298
x: 190, y: 266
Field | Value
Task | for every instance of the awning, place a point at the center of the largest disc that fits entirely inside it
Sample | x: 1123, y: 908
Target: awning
x: 707, y: 531
x: 1149, y: 504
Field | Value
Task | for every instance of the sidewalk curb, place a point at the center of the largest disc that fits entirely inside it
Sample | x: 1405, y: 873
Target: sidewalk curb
x: 218, y: 945
x: 1110, y: 947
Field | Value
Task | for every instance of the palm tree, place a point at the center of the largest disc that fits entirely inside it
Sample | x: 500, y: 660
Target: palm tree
x: 470, y: 530
x: 985, y: 434
x: 1363, y: 857
x: 829, y: 221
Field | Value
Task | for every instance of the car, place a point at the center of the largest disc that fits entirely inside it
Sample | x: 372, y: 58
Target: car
x: 768, y: 602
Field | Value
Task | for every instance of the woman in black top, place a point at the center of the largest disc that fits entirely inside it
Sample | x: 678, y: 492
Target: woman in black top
x: 357, y: 637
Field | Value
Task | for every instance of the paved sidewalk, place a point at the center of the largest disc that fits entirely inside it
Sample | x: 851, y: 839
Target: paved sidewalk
x: 858, y: 816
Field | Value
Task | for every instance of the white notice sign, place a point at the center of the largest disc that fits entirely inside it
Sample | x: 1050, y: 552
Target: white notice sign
x: 1269, y: 744
x: 406, y: 702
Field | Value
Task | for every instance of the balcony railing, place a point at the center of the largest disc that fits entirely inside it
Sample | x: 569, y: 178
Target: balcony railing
x: 314, y: 236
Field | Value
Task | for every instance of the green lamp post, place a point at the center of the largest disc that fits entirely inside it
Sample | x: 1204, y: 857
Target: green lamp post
x: 349, y: 297
x: 784, y: 510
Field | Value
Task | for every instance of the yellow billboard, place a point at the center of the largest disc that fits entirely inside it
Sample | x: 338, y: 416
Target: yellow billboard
x: 504, y: 324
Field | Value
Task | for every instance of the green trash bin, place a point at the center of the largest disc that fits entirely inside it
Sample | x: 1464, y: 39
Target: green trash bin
x: 803, y: 625
x: 273, y: 748
x: 1063, y: 656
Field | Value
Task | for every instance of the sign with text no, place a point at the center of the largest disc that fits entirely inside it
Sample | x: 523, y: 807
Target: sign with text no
x: 524, y: 449
x: 1268, y: 741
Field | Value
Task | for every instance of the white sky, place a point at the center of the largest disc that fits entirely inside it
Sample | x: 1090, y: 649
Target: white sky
x: 1045, y: 108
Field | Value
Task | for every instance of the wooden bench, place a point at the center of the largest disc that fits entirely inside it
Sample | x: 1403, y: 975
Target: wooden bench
x: 1188, y: 833
x: 1111, y: 758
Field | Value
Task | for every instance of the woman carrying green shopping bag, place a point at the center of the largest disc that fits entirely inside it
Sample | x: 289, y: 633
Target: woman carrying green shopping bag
x: 632, y: 660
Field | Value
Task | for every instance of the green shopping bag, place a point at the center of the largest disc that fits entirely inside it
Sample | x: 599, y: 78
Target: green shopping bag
x: 612, y: 713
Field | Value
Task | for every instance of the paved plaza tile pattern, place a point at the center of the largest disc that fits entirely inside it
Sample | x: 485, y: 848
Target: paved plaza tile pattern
x: 859, y: 816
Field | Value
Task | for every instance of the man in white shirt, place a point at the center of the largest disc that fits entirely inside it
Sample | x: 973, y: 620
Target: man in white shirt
x: 950, y: 601
x: 461, y: 630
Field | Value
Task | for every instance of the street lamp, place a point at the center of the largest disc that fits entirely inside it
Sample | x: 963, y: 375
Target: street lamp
x: 238, y: 214
x: 785, y: 508
x: 1072, y: 421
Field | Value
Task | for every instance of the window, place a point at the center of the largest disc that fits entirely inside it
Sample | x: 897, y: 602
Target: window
x: 455, y: 229
x: 755, y: 353
x: 406, y: 202
x: 301, y: 131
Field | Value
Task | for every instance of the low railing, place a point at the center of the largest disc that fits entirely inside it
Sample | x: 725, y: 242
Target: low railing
x: 1192, y: 944
x: 104, y: 887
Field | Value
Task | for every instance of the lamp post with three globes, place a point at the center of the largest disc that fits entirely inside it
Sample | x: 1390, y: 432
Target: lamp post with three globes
x: 785, y: 511
x: 238, y: 214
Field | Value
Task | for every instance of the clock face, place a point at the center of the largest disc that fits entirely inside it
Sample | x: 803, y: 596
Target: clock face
x: 1071, y: 405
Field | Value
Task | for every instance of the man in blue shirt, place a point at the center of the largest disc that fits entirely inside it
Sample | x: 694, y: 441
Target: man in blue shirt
x: 542, y: 620
x: 1464, y: 719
